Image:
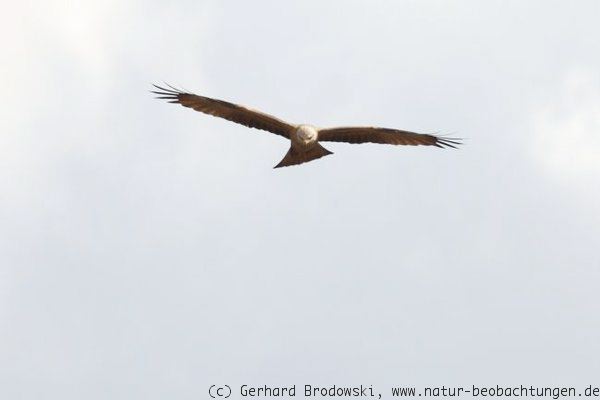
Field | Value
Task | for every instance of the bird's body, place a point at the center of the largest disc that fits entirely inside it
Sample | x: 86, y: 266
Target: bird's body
x: 304, y: 139
x: 304, y: 146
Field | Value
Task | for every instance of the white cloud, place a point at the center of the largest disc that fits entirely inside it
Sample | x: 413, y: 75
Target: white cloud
x: 62, y: 68
x: 567, y: 130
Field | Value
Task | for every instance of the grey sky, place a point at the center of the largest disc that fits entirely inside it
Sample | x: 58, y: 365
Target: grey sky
x: 149, y: 251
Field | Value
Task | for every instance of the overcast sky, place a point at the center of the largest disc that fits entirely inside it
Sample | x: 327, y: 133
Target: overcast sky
x: 148, y: 251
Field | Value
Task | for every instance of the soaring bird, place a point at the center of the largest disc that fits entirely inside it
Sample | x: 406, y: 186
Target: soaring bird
x: 304, y: 138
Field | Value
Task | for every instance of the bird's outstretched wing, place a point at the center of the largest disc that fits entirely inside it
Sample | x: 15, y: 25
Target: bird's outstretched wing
x: 229, y: 111
x: 356, y: 134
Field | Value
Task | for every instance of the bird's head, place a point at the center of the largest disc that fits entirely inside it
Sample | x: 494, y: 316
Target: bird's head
x: 306, y: 133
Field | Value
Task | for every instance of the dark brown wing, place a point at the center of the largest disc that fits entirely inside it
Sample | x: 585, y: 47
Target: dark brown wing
x: 229, y: 111
x: 355, y: 134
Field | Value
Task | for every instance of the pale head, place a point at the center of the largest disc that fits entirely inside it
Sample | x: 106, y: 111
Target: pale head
x: 306, y: 133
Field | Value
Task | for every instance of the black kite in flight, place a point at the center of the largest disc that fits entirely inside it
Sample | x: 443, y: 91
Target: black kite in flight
x: 304, y: 139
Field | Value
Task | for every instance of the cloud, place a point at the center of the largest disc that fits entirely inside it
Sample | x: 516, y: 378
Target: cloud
x: 566, y: 141
x: 68, y: 70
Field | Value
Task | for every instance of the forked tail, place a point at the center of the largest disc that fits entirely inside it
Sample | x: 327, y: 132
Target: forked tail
x: 298, y: 156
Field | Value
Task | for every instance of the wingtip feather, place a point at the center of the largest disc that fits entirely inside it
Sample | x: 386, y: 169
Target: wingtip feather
x: 445, y: 142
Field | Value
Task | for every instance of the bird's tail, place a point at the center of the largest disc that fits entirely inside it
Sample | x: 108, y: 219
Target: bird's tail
x: 298, y: 156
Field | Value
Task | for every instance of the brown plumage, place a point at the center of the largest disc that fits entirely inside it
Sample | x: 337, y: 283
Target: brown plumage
x: 304, y: 138
x: 369, y: 134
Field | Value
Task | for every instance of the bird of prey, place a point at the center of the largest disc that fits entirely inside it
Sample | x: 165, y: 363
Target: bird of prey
x: 305, y: 139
